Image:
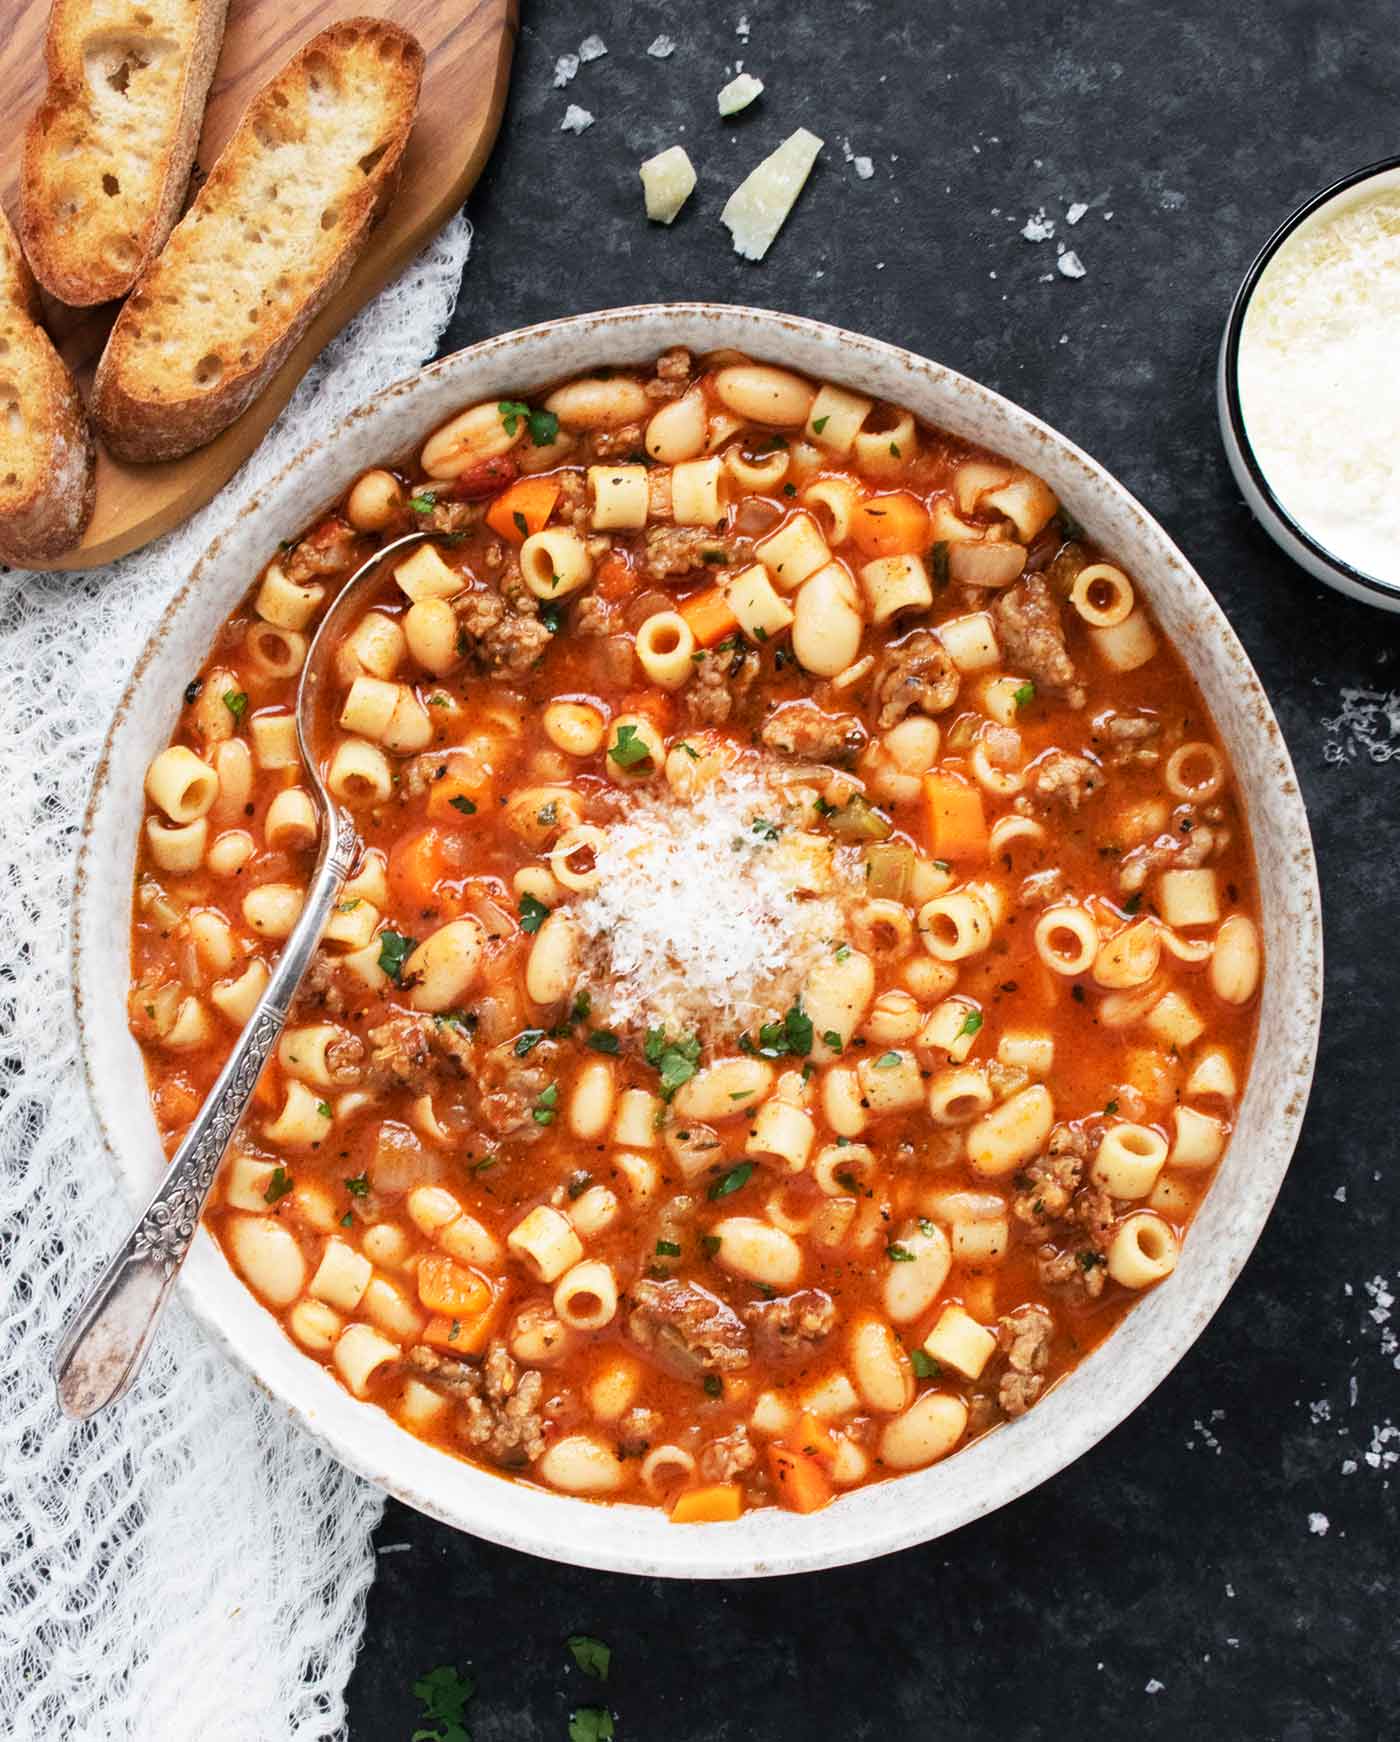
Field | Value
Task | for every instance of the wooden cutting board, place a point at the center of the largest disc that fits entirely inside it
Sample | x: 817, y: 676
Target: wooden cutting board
x: 468, y: 43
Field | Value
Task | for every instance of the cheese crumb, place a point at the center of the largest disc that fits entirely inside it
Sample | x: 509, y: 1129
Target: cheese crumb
x: 575, y: 119
x: 741, y: 29
x: 1154, y: 1686
x: 564, y: 69
x: 592, y: 48
x: 1038, y: 228
x: 661, y: 47
x: 1076, y: 212
x: 705, y: 919
x: 1319, y: 1523
x: 739, y: 93
x: 668, y: 180
x: 1070, y: 265
x: 864, y: 167
x: 758, y: 207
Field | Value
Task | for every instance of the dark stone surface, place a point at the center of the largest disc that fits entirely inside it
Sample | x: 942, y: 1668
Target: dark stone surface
x: 1179, y: 1551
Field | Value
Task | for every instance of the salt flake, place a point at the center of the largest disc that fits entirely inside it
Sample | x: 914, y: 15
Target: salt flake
x: 741, y: 29
x: 1070, y: 265
x: 564, y: 69
x: 661, y: 47
x: 1319, y: 1523
x: 1154, y: 1686
x: 1076, y: 212
x: 1038, y: 228
x: 575, y: 119
x: 864, y: 167
x: 592, y: 48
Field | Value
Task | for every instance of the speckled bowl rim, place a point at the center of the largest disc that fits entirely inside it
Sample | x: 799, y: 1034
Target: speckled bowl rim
x: 1291, y: 536
x: 1104, y: 1388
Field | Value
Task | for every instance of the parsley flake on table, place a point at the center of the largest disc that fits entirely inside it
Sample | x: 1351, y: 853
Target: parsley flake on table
x: 730, y: 1182
x: 591, y: 1724
x: 394, y: 951
x: 630, y: 750
x: 533, y: 913
x: 278, y: 1186
x: 236, y: 701
x: 443, y: 1694
x: 591, y: 1655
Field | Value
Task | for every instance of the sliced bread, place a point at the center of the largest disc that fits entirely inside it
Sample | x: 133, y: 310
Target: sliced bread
x: 47, y: 459
x: 272, y: 235
x: 108, y: 152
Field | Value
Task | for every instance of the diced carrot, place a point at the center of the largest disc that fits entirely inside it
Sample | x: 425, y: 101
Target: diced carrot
x: 813, y: 1438
x: 467, y: 1335
x: 719, y: 1503
x: 709, y: 616
x: 957, y: 824
x: 614, y: 577
x: 523, y: 509
x: 426, y: 870
x: 469, y: 779
x: 444, y: 1286
x: 893, y: 525
x: 800, y: 1481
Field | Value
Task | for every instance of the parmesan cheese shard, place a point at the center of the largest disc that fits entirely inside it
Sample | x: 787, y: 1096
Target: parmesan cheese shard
x: 668, y: 180
x: 575, y: 119
x: 739, y: 93
x: 661, y: 47
x: 592, y: 48
x: 758, y: 207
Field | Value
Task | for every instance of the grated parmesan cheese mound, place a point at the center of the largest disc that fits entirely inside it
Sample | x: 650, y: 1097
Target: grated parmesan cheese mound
x: 1319, y: 383
x: 703, y: 922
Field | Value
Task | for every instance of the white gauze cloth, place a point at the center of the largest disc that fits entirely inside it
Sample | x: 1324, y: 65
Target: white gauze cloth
x: 188, y: 1565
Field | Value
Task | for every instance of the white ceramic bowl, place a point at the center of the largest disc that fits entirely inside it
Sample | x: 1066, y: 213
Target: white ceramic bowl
x: 1159, y: 1330
x: 1290, y: 535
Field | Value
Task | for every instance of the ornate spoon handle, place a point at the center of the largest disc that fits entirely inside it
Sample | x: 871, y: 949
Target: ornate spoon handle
x: 104, y: 1346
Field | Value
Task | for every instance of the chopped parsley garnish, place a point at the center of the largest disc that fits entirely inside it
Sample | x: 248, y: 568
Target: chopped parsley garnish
x: 832, y: 1039
x: 714, y: 1386
x: 712, y: 556
x: 278, y: 1186
x: 730, y: 1182
x: 512, y: 411
x: 630, y: 749
x: 710, y: 1244
x: 668, y: 1249
x: 898, y: 1254
x: 927, y: 1226
x: 789, y: 489
x: 526, y: 1041
x: 790, y: 1038
x: 591, y: 1724
x: 486, y: 1163
x: 765, y: 830
x: 938, y: 556
x: 604, y: 1040
x: 924, y: 1365
x: 887, y: 1061
x: 1111, y: 1107
x: 324, y: 1109
x: 444, y: 1695
x: 359, y: 1186
x: 348, y: 906
x: 675, y: 1060
x: 820, y: 423
x: 548, y: 814
x: 894, y: 449
x: 1024, y: 694
x: 1087, y: 1259
x: 543, y: 1111
x: 348, y: 1219
x: 522, y: 526
x: 843, y: 952
x: 581, y: 1006
x: 465, y: 805
x: 533, y: 913
x: 970, y: 1023
x: 591, y: 1655
x: 552, y: 616
x: 579, y: 1184
x: 823, y: 808
x: 1133, y: 903
x: 424, y: 503
x: 690, y: 751
x: 394, y: 951
x: 236, y: 701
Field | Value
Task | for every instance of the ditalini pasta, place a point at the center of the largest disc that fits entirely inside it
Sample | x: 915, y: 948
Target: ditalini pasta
x: 803, y: 968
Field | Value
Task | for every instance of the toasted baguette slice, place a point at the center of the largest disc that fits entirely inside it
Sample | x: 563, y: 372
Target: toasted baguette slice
x: 108, y: 152
x: 47, y: 458
x: 273, y: 234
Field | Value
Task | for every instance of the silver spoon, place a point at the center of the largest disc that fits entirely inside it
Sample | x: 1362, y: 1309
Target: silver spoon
x: 102, y: 1350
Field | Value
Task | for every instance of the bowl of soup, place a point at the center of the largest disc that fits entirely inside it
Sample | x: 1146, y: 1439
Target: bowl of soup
x: 831, y: 985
